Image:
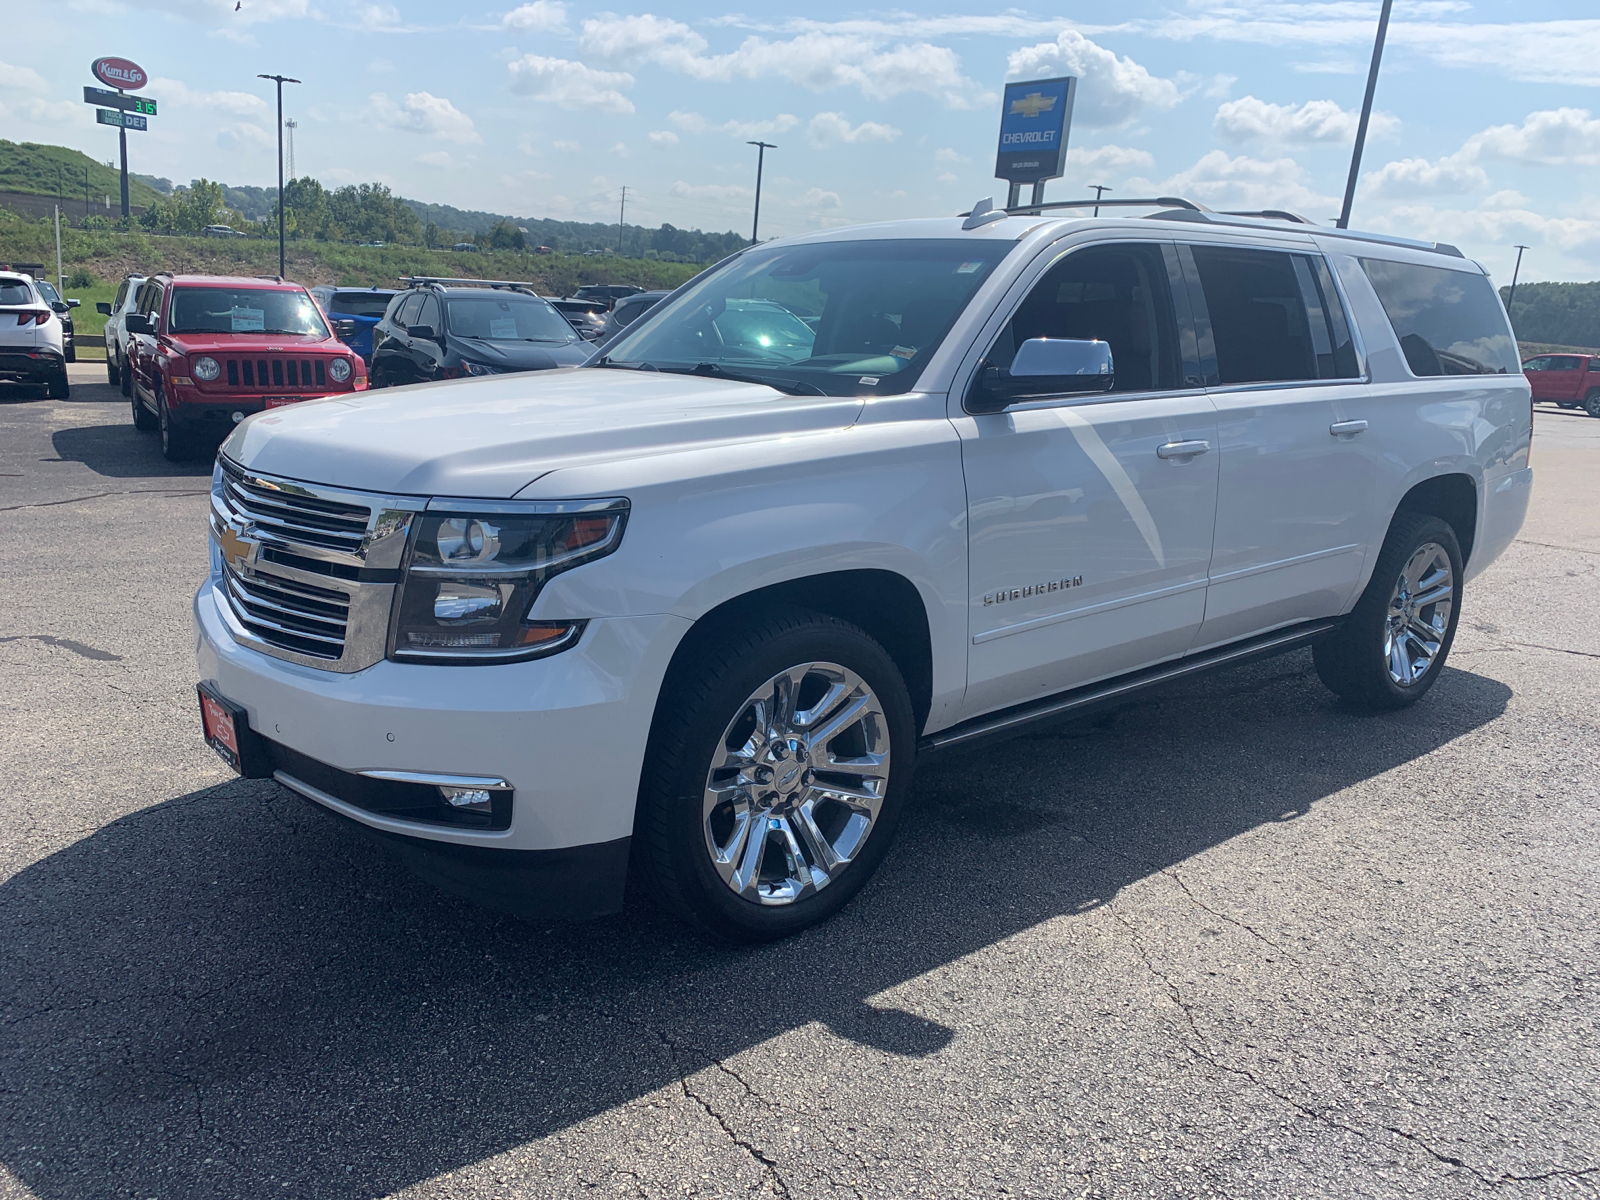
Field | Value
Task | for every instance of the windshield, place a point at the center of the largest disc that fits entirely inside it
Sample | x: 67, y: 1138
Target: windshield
x: 360, y: 304
x: 245, y: 310
x: 840, y: 317
x: 507, y: 319
x: 48, y: 291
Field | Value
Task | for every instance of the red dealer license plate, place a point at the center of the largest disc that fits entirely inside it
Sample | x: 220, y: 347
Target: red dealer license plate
x: 217, y: 720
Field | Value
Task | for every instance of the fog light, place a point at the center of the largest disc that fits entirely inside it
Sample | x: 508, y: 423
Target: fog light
x: 471, y: 799
x: 237, y: 417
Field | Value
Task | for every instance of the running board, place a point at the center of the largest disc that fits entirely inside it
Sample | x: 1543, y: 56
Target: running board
x: 1080, y: 701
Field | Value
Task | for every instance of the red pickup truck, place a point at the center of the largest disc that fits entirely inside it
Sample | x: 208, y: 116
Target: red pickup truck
x: 1570, y: 380
x: 206, y: 351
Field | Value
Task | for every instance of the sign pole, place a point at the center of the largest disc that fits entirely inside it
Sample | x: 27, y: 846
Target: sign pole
x: 761, y: 158
x: 1366, y: 115
x: 280, y: 80
x: 61, y: 279
x: 122, y: 137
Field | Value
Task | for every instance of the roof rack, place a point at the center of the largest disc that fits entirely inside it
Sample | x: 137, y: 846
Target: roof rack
x: 515, y: 285
x: 1175, y: 208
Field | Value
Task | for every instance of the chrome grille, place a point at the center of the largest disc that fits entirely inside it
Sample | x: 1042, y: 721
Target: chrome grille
x: 308, y: 571
x: 289, y: 614
x: 293, y: 514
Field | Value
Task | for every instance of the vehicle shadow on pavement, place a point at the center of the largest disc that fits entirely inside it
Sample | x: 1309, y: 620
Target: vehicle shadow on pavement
x: 122, y: 452
x: 235, y: 993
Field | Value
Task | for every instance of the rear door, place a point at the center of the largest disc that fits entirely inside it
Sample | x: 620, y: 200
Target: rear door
x: 1294, y: 498
x: 1089, y: 534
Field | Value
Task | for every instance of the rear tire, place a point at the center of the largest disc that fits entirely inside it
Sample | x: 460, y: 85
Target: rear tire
x: 1591, y: 403
x: 1393, y: 645
x: 177, y: 444
x: 127, y: 381
x: 775, y: 776
x: 112, y: 374
x: 59, y: 388
x: 71, y: 354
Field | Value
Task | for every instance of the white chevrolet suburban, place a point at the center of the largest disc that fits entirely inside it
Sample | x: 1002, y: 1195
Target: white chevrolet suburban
x: 697, y: 607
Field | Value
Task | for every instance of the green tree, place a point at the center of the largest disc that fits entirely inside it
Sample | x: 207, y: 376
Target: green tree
x: 430, y: 236
x: 198, y: 205
x: 505, y: 236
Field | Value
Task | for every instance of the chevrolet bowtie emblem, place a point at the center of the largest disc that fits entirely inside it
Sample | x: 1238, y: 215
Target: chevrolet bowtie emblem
x: 1033, y: 104
x: 239, y: 550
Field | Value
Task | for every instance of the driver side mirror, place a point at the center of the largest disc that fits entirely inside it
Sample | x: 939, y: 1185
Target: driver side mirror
x: 138, y: 323
x: 1044, y: 367
x: 344, y: 328
x: 103, y: 308
x: 425, y: 332
x: 59, y: 307
x: 73, y: 303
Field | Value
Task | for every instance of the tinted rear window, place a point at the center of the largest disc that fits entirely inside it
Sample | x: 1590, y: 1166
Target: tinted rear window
x: 1448, y: 322
x: 359, y: 304
x: 1275, y: 317
x: 14, y: 292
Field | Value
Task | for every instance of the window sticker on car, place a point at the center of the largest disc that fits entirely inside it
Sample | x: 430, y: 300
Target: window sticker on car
x: 248, y: 320
x: 502, y: 327
x: 905, y: 352
x: 967, y: 268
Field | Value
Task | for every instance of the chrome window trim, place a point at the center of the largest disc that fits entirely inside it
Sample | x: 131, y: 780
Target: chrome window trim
x: 471, y: 507
x: 1076, y: 399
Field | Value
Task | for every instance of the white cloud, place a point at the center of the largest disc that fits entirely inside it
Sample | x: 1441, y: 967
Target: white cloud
x: 693, y: 122
x: 1560, y: 137
x: 571, y: 85
x: 568, y: 147
x: 1248, y: 119
x: 179, y: 95
x: 620, y: 149
x: 1111, y: 90
x: 829, y: 127
x: 948, y: 177
x: 1453, y: 174
x: 689, y: 122
x: 663, y: 137
x: 818, y: 61
x: 1108, y: 160
x: 425, y: 113
x: 946, y: 155
x: 542, y: 16
x: 712, y: 191
x: 379, y: 17
x: 816, y: 199
x: 244, y: 135
x: 1244, y: 183
x: 436, y: 158
x: 21, y: 79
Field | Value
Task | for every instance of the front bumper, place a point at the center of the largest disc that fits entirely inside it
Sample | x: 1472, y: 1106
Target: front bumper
x: 567, y: 733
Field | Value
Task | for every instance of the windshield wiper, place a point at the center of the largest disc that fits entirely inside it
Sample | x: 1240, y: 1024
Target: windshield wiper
x: 622, y: 364
x: 791, y: 387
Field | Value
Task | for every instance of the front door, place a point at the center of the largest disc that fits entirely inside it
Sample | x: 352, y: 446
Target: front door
x: 1090, y: 515
x: 1563, y: 376
x: 1295, y: 500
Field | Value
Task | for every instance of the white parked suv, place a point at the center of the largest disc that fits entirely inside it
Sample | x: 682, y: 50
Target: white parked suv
x: 32, y: 351
x: 840, y: 501
x: 116, y: 332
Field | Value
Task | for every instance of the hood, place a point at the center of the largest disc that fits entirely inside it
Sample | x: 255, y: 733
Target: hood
x: 249, y: 343
x: 491, y: 437
x: 523, y: 356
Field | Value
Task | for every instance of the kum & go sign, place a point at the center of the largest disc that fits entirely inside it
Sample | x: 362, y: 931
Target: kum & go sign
x: 119, y: 73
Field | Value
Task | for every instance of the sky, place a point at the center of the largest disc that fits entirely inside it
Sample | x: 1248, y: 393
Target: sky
x: 1485, y: 131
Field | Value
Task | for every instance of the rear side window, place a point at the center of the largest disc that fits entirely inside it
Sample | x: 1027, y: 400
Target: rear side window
x: 406, y: 315
x: 1275, y: 316
x: 1563, y: 362
x: 1448, y: 322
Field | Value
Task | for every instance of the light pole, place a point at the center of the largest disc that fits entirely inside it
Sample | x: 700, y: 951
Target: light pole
x: 1100, y: 189
x: 761, y: 157
x: 1366, y: 115
x: 1512, y: 294
x: 280, y: 80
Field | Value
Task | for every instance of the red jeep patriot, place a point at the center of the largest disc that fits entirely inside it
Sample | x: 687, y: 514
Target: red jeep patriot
x: 206, y: 351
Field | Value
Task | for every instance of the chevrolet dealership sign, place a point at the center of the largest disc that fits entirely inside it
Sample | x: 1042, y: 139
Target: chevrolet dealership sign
x: 1034, y: 119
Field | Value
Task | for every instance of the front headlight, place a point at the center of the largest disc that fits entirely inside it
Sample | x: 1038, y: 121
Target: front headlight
x: 339, y: 368
x: 472, y: 368
x: 472, y: 577
x: 205, y: 367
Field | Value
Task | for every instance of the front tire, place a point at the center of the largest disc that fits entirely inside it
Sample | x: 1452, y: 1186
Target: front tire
x: 1393, y: 645
x: 59, y: 387
x: 1591, y: 403
x: 776, y: 776
x: 177, y: 445
x: 144, y: 420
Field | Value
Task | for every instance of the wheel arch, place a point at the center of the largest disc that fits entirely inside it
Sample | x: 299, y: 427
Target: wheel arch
x: 885, y: 604
x: 1454, y: 499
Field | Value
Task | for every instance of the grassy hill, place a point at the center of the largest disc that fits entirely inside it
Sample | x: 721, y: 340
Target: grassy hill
x: 56, y: 170
x: 1564, y: 314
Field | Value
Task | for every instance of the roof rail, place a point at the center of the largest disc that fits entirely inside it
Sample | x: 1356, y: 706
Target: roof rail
x: 1028, y: 210
x: 513, y: 284
x: 1271, y: 214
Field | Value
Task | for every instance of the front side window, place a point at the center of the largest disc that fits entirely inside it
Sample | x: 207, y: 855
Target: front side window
x: 1275, y: 316
x: 837, y: 318
x: 245, y: 310
x: 430, y: 314
x: 1448, y: 322
x: 1562, y: 362
x: 406, y: 315
x: 1541, y: 363
x: 1114, y: 294
x: 48, y: 291
x: 122, y: 291
x: 507, y: 318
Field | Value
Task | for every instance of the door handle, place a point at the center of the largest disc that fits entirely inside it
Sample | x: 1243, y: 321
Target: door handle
x: 1346, y: 427
x: 1182, y: 449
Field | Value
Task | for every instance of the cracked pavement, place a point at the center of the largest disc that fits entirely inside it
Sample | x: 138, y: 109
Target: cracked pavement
x: 1230, y: 940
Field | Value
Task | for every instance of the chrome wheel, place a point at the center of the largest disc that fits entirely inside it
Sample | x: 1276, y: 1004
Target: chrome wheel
x: 1419, y: 614
x: 796, y: 784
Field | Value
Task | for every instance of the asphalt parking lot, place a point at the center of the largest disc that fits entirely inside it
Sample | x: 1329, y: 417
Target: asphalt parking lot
x: 1231, y: 941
